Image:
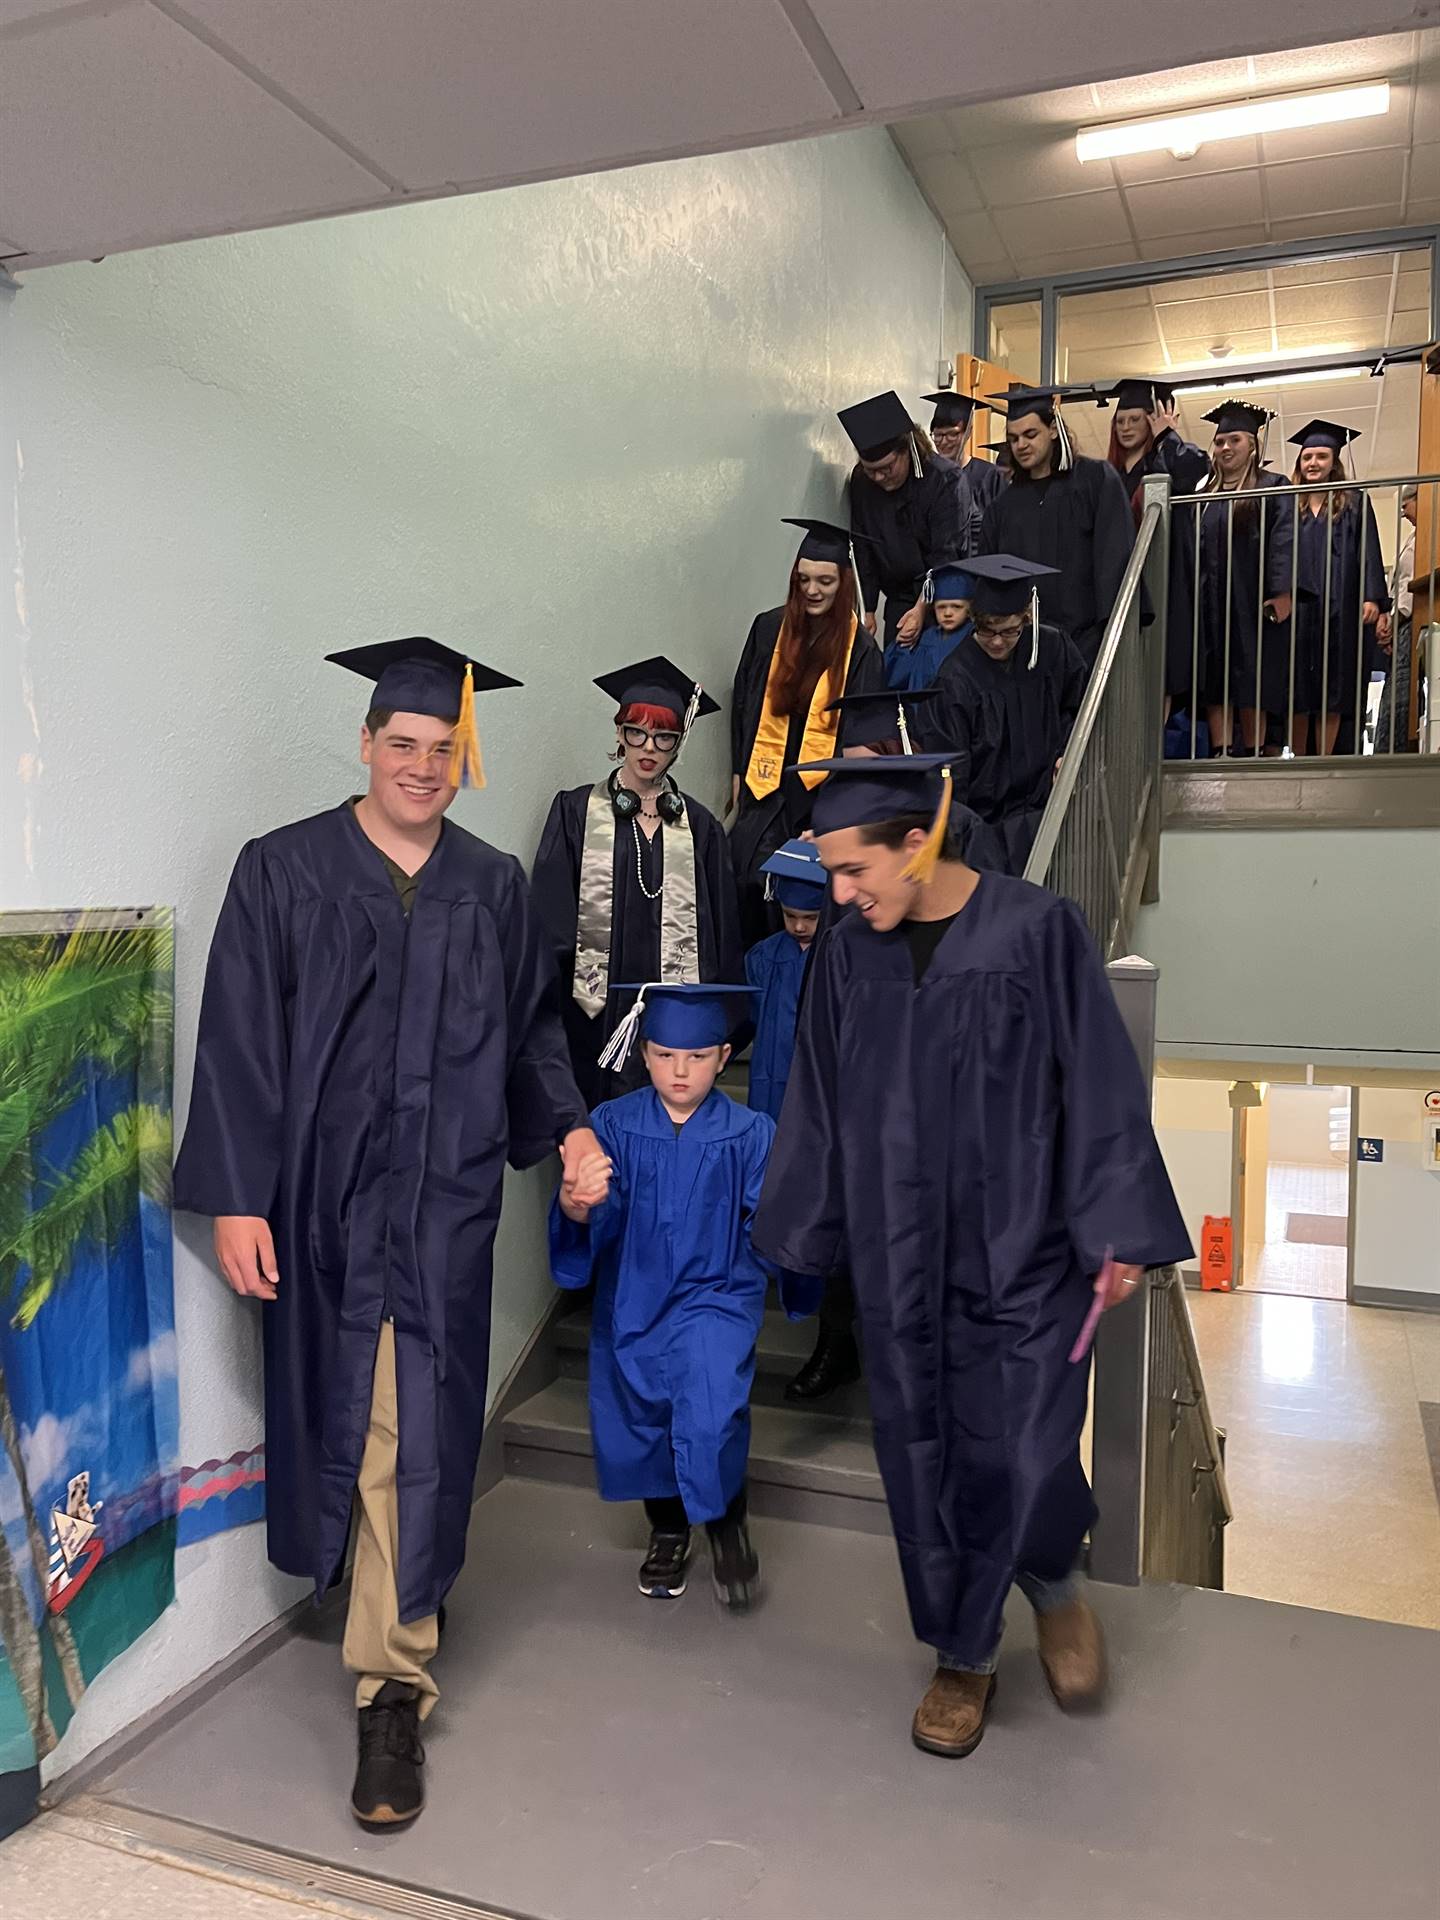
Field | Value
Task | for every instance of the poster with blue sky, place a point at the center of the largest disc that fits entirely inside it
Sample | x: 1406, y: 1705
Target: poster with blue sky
x: 88, y: 1402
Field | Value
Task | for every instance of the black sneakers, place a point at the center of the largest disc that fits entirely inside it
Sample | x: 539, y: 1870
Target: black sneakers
x: 389, y: 1786
x: 734, y: 1564
x: 835, y: 1363
x: 663, y: 1574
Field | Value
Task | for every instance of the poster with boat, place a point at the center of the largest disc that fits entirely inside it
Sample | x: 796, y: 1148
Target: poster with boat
x: 88, y: 1403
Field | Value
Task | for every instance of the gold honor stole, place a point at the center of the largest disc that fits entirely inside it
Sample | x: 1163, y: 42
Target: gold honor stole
x: 767, y: 756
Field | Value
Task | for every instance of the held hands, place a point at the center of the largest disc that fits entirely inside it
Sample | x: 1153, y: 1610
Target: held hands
x: 1384, y: 632
x: 908, y: 630
x: 585, y: 1174
x: 245, y: 1248
x: 1278, y: 607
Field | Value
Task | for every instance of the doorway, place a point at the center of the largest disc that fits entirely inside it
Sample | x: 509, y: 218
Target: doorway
x: 1292, y: 1162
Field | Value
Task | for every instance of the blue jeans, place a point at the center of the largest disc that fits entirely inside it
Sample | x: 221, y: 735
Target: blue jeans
x: 1045, y: 1596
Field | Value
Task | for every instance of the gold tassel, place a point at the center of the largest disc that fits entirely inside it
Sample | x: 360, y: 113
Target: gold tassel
x: 467, y: 769
x: 922, y: 863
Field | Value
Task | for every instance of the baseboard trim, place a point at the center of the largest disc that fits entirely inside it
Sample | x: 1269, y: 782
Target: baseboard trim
x: 1396, y: 1297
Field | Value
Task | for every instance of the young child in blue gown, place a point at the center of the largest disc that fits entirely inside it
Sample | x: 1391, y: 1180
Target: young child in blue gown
x: 949, y: 588
x: 679, y: 1295
x: 776, y: 967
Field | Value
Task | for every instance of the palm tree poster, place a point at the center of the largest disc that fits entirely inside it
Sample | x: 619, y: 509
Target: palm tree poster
x: 88, y: 1402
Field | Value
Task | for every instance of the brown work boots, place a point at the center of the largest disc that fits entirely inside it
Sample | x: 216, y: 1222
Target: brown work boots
x: 950, y: 1720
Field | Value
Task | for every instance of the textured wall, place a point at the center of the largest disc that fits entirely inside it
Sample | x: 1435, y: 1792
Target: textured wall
x: 556, y: 424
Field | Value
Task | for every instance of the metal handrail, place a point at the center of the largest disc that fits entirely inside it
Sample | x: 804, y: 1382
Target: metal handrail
x: 1126, y: 602
x: 1167, y: 1280
x: 1384, y: 480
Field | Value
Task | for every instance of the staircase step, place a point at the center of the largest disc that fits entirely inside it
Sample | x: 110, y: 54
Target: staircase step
x: 803, y: 1466
x: 785, y: 1346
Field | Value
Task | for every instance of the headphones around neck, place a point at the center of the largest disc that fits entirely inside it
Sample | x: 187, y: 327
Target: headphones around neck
x: 669, y: 803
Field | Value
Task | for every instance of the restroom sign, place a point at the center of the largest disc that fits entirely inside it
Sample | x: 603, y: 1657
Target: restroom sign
x: 1368, y: 1148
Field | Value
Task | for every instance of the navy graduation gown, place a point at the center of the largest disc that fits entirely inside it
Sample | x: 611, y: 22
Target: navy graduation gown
x: 1329, y: 659
x: 1009, y: 723
x: 776, y: 969
x: 910, y: 669
x: 1261, y: 562
x: 970, y: 1149
x: 760, y: 826
x: 1080, y: 522
x: 635, y: 922
x: 1187, y: 465
x: 361, y: 1078
x: 679, y: 1298
x: 908, y: 531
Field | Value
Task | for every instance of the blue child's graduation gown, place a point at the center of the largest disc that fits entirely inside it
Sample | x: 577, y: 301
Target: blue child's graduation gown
x: 775, y: 969
x: 679, y: 1298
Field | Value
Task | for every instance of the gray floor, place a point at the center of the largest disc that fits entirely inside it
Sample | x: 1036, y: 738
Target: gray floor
x: 597, y: 1756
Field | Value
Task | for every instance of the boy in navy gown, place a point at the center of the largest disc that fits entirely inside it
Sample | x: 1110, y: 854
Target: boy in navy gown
x: 776, y: 968
x: 679, y: 1293
x: 967, y: 1130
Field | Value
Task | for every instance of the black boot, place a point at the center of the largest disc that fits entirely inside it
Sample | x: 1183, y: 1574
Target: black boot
x: 734, y: 1564
x: 835, y: 1363
x: 662, y: 1575
x: 389, y: 1788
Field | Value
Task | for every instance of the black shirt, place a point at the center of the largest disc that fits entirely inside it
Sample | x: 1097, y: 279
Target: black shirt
x: 923, y: 938
x: 405, y: 883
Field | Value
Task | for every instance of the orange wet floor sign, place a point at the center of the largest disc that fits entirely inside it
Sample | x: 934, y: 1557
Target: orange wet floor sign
x: 1217, y: 1264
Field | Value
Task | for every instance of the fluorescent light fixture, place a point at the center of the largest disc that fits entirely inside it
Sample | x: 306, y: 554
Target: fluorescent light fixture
x: 1310, y: 377
x: 1183, y: 134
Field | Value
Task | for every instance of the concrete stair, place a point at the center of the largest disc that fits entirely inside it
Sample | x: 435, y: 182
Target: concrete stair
x: 804, y: 1465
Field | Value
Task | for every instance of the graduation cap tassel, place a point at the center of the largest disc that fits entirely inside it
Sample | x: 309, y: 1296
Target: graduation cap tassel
x: 927, y: 592
x: 616, y: 1050
x: 915, y: 458
x: 690, y: 714
x: 1034, y: 628
x: 904, y: 730
x: 466, y: 766
x: 923, y: 862
x: 859, y: 590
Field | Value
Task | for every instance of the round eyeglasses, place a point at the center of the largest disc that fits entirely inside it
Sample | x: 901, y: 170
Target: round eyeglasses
x: 640, y: 736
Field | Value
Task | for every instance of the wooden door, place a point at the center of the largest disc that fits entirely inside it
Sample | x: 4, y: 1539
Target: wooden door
x: 977, y: 377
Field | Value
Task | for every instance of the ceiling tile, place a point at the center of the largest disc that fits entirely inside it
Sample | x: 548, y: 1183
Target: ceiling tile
x: 1311, y: 187
x: 1221, y: 156
x: 1323, y: 271
x: 1410, y: 326
x: 1153, y: 93
x: 12, y: 12
x: 163, y: 138
x: 1027, y: 171
x: 950, y: 184
x: 463, y: 85
x: 1091, y: 220
x: 1210, y: 242
x: 1380, y: 58
x: 974, y: 237
x: 989, y: 273
x: 926, y: 135
x: 1178, y: 207
x: 1078, y: 259
x: 993, y: 121
x: 1343, y: 300
x: 1422, y: 213
x: 1219, y: 285
x: 1328, y: 226
x: 1110, y: 328
x: 1425, y: 171
x: 1214, y: 313
x: 1338, y: 336
x: 1198, y: 349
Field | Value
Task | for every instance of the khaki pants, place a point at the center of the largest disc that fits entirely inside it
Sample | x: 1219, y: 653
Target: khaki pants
x: 377, y: 1647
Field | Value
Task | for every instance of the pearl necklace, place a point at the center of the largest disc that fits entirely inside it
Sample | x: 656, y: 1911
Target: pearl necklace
x: 649, y: 893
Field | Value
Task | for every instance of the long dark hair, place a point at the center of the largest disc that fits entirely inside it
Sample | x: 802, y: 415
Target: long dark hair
x: 1338, y: 502
x: 809, y: 648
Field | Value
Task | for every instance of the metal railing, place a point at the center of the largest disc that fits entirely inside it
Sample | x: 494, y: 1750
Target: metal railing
x: 1098, y: 842
x: 1185, y: 1502
x: 1286, y: 631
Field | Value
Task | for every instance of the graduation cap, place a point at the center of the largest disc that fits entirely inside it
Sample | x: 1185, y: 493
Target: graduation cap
x: 689, y: 1015
x: 1022, y: 400
x: 868, y: 718
x: 1006, y: 584
x: 658, y: 682
x: 865, y: 792
x: 795, y: 877
x: 835, y: 546
x: 1149, y: 395
x: 1239, y: 416
x: 1325, y: 433
x: 951, y: 409
x: 419, y: 675
x: 949, y: 579
x: 877, y: 426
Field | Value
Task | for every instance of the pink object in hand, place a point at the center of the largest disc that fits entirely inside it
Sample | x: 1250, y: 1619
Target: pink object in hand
x: 1086, y: 1334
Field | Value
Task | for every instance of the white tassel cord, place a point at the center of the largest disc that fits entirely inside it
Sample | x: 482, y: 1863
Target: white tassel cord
x: 915, y: 458
x: 616, y: 1050
x: 1034, y: 628
x: 904, y: 730
x: 688, y: 722
x: 927, y: 592
x: 859, y: 590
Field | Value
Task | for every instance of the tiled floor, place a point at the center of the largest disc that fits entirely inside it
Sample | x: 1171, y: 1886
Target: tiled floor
x: 1288, y: 1266
x: 1330, y: 1476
